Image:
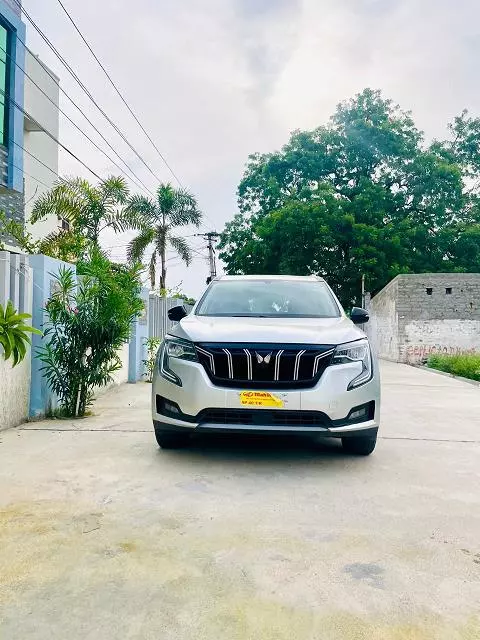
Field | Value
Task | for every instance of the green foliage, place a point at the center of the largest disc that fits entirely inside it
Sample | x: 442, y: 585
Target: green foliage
x: 176, y: 292
x: 157, y: 220
x: 68, y: 246
x: 88, y: 209
x: 14, y: 332
x: 464, y: 365
x: 88, y: 323
x: 361, y: 195
x: 152, y: 345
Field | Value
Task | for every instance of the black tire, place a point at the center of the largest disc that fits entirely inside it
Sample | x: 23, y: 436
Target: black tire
x: 171, y: 440
x: 360, y: 446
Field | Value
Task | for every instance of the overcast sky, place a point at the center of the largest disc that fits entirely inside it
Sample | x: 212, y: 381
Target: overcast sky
x: 216, y: 80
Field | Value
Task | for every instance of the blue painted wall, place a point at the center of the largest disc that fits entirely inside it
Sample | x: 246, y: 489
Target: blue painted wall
x: 15, y: 132
x: 137, y: 348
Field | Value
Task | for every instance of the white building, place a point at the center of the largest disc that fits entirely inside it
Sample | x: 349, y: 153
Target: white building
x: 40, y: 158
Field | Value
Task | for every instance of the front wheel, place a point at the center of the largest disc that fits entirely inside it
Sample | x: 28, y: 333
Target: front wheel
x: 171, y: 440
x: 361, y: 446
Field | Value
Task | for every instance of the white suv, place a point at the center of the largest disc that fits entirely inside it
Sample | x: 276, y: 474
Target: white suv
x: 267, y: 354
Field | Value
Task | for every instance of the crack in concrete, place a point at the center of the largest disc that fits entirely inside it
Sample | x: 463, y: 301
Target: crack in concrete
x: 151, y: 431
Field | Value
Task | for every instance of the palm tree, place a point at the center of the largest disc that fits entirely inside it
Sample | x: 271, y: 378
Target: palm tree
x: 88, y: 209
x: 157, y: 219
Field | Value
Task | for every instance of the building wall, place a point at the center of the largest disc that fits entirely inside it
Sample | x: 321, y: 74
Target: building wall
x: 15, y: 284
x: 420, y: 314
x: 14, y: 392
x: 11, y: 19
x: 11, y: 155
x: 13, y: 6
x: 39, y: 147
x: 382, y: 329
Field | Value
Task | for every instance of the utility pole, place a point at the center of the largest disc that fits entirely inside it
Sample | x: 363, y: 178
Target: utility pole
x: 211, y: 237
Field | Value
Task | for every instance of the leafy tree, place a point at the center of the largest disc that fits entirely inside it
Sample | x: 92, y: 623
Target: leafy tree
x: 88, y: 322
x: 88, y: 209
x: 176, y: 292
x: 14, y: 332
x: 362, y: 195
x: 157, y: 221
x: 64, y: 245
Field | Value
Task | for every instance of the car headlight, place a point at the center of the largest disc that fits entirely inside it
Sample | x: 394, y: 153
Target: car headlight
x: 175, y: 348
x: 358, y: 351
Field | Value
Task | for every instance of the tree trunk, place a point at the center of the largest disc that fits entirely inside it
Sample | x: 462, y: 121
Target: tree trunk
x: 163, y: 276
x: 83, y: 400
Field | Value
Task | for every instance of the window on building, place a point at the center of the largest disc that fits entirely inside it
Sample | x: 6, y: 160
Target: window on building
x: 4, y: 65
x: 429, y: 291
x: 448, y: 291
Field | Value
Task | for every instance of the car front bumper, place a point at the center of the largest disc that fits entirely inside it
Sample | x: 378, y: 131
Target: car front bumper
x: 326, y: 406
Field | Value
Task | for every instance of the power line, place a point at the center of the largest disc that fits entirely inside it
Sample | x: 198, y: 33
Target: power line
x: 32, y: 177
x: 138, y: 184
x: 119, y: 92
x: 62, y: 90
x: 82, y: 85
x: 90, y: 96
x: 49, y: 134
x: 35, y: 158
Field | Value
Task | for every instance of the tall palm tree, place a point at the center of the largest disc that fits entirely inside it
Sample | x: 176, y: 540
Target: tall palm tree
x: 157, y: 220
x: 89, y: 209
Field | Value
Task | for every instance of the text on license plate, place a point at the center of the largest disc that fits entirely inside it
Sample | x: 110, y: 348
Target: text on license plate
x: 260, y: 399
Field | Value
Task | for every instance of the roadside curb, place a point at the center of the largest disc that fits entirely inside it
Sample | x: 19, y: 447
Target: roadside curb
x: 475, y: 383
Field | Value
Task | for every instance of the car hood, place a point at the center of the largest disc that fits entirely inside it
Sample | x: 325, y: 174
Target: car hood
x: 267, y: 330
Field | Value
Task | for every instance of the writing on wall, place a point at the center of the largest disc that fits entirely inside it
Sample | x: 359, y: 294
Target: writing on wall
x: 419, y: 352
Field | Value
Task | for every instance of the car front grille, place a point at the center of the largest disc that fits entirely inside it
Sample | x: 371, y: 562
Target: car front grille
x: 263, y: 365
x: 264, y: 417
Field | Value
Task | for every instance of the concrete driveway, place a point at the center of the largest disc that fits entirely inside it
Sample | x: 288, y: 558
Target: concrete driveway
x: 104, y: 537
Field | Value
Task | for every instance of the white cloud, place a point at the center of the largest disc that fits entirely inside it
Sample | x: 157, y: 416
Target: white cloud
x: 215, y: 80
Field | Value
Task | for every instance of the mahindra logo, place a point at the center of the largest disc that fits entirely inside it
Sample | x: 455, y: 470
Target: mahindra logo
x: 263, y: 359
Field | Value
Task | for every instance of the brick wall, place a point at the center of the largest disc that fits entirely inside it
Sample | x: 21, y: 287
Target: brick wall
x: 382, y: 329
x: 417, y: 315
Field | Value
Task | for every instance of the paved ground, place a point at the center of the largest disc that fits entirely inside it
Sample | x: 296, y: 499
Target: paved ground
x: 104, y: 537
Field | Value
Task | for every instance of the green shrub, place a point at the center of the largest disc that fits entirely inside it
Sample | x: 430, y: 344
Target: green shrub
x: 152, y: 345
x: 87, y: 324
x: 14, y: 332
x: 464, y: 365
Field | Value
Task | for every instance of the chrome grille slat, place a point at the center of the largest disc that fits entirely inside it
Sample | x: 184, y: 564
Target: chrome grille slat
x: 249, y: 363
x: 297, y: 364
x: 210, y: 357
x: 230, y: 363
x: 277, y: 363
x: 318, y: 358
x: 264, y: 366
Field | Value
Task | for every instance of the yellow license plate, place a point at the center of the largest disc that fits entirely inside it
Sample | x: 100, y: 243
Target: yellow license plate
x: 260, y: 399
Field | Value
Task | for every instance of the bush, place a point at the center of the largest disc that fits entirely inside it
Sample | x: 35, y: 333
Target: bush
x: 14, y: 332
x: 88, y: 323
x: 152, y: 345
x: 464, y: 365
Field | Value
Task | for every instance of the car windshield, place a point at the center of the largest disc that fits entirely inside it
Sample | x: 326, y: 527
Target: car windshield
x: 269, y: 298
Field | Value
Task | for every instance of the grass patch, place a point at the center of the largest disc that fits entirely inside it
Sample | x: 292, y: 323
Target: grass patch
x: 466, y: 365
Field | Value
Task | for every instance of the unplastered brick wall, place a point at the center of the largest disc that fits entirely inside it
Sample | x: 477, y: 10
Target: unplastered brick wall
x: 420, y: 314
x: 382, y: 329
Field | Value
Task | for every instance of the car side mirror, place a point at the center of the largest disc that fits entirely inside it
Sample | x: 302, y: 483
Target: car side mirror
x: 175, y: 314
x: 359, y: 316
